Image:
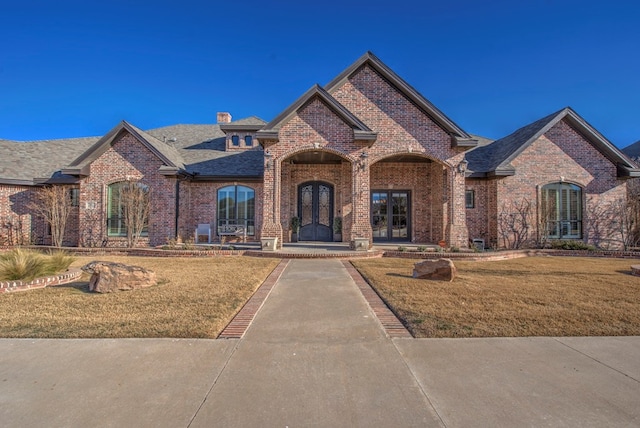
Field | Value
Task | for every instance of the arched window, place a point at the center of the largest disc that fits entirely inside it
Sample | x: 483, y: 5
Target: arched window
x: 236, y: 206
x: 562, y: 210
x: 120, y: 202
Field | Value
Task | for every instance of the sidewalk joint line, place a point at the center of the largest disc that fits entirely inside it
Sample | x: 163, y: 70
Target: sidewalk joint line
x: 558, y: 339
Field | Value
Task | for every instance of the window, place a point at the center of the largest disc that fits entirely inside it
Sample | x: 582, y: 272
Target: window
x: 236, y: 205
x: 74, y: 194
x: 248, y: 140
x: 235, y: 140
x: 470, y: 198
x: 116, y: 225
x: 561, y: 210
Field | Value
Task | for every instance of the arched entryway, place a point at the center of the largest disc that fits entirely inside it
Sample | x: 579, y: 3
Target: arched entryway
x: 315, y: 209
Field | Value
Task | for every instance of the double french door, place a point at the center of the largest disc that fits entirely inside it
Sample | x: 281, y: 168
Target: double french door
x: 315, y: 209
x: 390, y: 215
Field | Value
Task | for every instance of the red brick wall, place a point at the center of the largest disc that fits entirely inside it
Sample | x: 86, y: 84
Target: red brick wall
x: 562, y: 154
x: 199, y: 205
x: 126, y: 159
x: 15, y: 218
x: 402, y: 129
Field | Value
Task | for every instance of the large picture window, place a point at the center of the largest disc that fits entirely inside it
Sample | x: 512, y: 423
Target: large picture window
x: 236, y: 206
x: 562, y: 210
x: 116, y: 207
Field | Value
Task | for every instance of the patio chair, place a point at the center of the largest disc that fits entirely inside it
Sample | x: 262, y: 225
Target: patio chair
x: 203, y: 230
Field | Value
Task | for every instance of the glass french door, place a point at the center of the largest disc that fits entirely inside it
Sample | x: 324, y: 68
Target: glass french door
x: 315, y: 209
x: 390, y: 215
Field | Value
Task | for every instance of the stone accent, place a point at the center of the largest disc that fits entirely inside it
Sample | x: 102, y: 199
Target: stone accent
x: 108, y: 277
x: 46, y: 281
x: 437, y: 270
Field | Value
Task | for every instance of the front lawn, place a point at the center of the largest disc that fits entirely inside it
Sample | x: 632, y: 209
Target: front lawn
x: 195, y: 298
x: 535, y: 296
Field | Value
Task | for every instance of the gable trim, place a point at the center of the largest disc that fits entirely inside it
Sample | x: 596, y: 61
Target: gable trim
x: 80, y: 166
x: 624, y: 166
x: 361, y: 131
x: 459, y: 138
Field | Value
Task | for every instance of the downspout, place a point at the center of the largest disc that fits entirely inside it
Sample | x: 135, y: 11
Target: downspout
x: 175, y: 235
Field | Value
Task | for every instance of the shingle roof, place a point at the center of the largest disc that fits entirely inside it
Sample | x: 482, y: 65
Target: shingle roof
x: 632, y: 150
x: 202, y: 149
x: 21, y: 162
x: 494, y: 159
x: 197, y: 149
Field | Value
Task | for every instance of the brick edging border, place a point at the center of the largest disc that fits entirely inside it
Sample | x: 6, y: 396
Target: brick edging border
x: 243, y: 319
x: 389, y: 321
x: 45, y: 281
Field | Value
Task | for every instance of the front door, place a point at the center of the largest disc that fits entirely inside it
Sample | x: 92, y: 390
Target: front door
x: 390, y: 218
x: 315, y: 209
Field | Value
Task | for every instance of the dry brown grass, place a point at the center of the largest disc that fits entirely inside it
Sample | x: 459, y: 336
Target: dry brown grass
x: 537, y: 296
x: 195, y: 297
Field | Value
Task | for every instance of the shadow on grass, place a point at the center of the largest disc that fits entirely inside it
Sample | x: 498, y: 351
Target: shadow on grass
x: 82, y: 286
x: 399, y: 275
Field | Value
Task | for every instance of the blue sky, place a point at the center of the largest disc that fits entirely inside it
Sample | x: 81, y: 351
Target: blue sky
x: 76, y: 68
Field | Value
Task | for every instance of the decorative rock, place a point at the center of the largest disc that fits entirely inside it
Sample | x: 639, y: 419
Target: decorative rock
x: 108, y: 277
x: 635, y: 270
x: 438, y: 270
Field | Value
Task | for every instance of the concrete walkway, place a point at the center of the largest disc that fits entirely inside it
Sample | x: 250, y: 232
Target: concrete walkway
x: 316, y: 356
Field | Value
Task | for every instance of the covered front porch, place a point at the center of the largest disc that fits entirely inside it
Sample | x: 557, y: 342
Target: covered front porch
x: 401, y: 198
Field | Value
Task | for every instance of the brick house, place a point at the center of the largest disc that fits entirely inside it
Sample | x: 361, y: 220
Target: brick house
x: 366, y: 148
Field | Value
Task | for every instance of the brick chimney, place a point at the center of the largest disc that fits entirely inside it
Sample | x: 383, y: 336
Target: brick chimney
x: 224, y: 117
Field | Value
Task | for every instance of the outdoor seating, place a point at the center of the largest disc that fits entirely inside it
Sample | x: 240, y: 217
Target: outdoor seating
x: 203, y: 230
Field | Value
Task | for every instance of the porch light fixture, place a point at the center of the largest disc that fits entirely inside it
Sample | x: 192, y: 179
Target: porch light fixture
x: 363, y: 160
x: 267, y: 157
x: 462, y: 166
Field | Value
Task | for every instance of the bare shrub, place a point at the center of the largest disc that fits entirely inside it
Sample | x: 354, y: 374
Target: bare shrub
x: 514, y: 223
x: 54, y: 205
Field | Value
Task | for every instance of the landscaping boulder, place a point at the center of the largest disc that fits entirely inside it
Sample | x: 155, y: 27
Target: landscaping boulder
x: 438, y: 270
x: 107, y: 277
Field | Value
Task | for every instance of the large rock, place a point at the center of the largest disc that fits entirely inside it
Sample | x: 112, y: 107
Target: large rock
x: 107, y: 277
x: 438, y: 270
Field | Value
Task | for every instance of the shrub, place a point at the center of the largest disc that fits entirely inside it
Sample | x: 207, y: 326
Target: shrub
x: 58, y: 261
x: 401, y: 248
x: 422, y: 248
x: 20, y: 264
x: 571, y: 245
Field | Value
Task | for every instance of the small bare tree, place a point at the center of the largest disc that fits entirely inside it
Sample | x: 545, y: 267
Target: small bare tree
x: 546, y: 220
x: 514, y: 223
x: 134, y: 198
x: 53, y: 203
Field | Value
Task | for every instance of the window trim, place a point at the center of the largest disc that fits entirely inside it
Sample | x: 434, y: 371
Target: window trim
x: 564, y: 202
x: 468, y: 192
x: 121, y: 227
x: 248, y: 222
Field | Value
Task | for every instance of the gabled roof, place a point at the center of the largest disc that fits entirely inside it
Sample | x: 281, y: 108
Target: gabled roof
x: 495, y: 159
x: 459, y: 137
x: 22, y: 161
x: 166, y: 153
x: 632, y: 150
x: 360, y: 130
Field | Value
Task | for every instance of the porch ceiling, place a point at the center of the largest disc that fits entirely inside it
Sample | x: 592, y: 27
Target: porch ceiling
x: 315, y: 157
x: 407, y: 158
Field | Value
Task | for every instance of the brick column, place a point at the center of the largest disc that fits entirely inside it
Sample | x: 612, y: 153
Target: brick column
x: 361, y: 212
x: 271, y: 227
x: 457, y: 232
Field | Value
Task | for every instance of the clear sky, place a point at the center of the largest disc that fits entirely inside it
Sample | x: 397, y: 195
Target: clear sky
x: 76, y: 68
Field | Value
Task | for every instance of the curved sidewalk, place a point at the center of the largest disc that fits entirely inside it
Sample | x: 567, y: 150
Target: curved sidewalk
x: 315, y: 355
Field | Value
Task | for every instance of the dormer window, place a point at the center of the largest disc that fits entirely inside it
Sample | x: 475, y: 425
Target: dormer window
x: 235, y: 140
x: 248, y: 140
